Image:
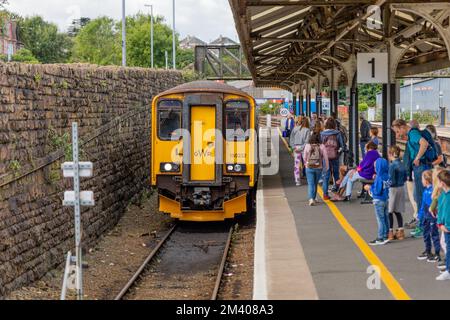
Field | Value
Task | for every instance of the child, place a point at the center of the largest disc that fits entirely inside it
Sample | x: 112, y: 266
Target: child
x: 397, y: 196
x: 437, y: 190
x: 316, y: 159
x: 430, y: 229
x: 444, y: 217
x: 299, y: 138
x: 380, y: 194
x: 374, y: 136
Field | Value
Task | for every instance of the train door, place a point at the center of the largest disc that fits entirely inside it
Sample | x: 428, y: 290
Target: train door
x: 203, y: 156
x: 203, y: 143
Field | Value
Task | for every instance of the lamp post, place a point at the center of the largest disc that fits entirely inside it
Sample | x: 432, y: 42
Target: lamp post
x: 173, y: 38
x: 151, y: 34
x: 411, y: 105
x: 124, y: 36
x: 441, y: 107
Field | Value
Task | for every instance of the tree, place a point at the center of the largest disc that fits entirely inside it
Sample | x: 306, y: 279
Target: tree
x: 98, y: 42
x: 139, y: 43
x: 368, y: 94
x: 44, y: 41
x: 77, y: 25
x: 24, y: 55
x: 185, y: 58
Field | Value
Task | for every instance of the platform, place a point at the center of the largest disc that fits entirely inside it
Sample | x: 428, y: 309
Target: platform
x: 321, y: 252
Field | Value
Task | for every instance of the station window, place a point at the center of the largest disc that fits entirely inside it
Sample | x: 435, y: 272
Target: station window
x: 169, y: 119
x: 237, y: 119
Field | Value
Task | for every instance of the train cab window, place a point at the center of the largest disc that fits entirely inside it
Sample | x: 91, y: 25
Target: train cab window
x: 237, y: 115
x: 169, y: 119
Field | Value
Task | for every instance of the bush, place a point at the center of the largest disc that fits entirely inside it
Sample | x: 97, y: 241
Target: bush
x: 25, y: 56
x: 423, y: 117
x: 363, y: 107
x: 266, y: 109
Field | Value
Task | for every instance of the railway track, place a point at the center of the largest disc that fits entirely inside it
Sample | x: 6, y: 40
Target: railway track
x: 186, y: 258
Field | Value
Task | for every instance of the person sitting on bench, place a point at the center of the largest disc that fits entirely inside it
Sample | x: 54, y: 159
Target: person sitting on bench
x: 364, y: 172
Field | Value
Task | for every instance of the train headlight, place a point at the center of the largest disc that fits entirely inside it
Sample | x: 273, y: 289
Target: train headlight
x: 236, y: 168
x: 170, y: 167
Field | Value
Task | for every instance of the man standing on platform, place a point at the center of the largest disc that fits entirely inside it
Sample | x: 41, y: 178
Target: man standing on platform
x: 419, y: 154
x: 365, y: 135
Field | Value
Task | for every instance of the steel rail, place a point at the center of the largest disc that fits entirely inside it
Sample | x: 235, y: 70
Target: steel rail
x: 133, y: 279
x: 222, y: 265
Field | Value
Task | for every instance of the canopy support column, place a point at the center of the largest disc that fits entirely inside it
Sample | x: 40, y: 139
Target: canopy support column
x: 354, y: 126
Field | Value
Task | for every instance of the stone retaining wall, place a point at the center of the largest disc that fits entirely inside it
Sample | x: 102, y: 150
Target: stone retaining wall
x: 38, y: 103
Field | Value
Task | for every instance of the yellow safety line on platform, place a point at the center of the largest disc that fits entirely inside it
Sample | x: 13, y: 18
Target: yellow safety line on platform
x: 386, y: 276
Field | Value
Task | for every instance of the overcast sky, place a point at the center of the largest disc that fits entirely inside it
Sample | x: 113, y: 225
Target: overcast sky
x: 206, y: 19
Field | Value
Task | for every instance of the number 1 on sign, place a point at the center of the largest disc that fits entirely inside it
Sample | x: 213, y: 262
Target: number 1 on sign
x: 372, y: 62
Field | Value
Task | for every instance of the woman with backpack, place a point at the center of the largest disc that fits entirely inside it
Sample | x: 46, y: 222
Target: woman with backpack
x: 316, y: 161
x: 334, y: 145
x: 299, y: 138
x: 441, y: 160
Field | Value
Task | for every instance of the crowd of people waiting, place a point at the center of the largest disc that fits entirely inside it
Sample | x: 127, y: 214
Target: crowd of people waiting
x: 319, y: 145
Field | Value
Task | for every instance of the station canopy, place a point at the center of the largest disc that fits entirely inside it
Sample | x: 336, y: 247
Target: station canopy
x: 290, y: 42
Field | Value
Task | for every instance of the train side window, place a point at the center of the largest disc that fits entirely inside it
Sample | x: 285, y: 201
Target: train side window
x: 237, y: 120
x: 169, y: 119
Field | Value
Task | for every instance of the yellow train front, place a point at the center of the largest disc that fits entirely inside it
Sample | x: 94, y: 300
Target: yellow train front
x: 204, y: 151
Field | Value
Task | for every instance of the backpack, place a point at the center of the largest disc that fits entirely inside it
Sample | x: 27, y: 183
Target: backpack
x: 332, y: 145
x: 315, y: 158
x: 344, y: 133
x: 431, y: 154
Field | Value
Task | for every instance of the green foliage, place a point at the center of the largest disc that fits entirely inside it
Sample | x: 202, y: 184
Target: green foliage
x: 63, y: 141
x: 190, y: 75
x: 266, y: 109
x: 77, y: 25
x: 139, y: 42
x: 15, y: 167
x: 423, y: 117
x: 363, y: 107
x: 185, y: 58
x: 25, y: 56
x: 368, y: 94
x: 37, y: 78
x: 98, y: 43
x: 43, y: 40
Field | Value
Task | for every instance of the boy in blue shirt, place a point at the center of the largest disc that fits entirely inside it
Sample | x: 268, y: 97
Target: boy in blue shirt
x: 429, y: 221
x: 380, y: 194
x: 443, y: 218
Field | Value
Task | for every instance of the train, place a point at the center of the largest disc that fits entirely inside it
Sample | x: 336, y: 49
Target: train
x: 204, y: 146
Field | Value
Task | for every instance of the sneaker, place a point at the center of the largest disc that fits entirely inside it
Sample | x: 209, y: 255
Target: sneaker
x: 311, y: 202
x: 347, y: 199
x: 326, y: 198
x: 444, y: 276
x: 434, y: 258
x: 442, y: 265
x: 417, y: 233
x: 424, y: 256
x: 377, y: 242
x: 412, y: 224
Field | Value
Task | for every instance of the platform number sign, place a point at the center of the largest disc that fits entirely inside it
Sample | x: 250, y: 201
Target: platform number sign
x: 373, y: 68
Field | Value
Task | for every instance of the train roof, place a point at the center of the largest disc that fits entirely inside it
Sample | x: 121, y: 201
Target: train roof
x: 205, y: 86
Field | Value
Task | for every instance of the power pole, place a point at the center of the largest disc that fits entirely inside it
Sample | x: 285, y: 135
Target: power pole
x: 173, y: 38
x: 151, y: 34
x: 124, y: 36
